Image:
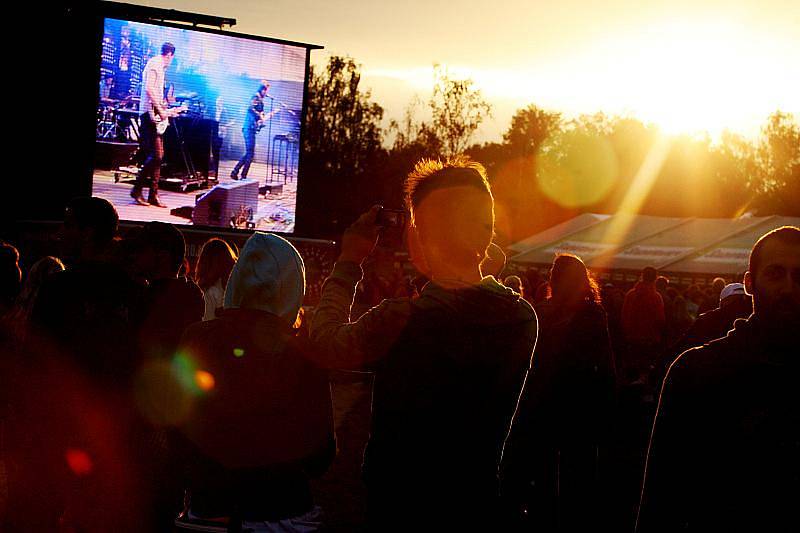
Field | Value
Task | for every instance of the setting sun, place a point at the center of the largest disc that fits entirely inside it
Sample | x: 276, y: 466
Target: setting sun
x: 692, y: 75
x: 688, y: 78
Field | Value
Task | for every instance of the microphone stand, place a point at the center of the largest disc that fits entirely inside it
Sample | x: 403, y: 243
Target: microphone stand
x: 269, y: 139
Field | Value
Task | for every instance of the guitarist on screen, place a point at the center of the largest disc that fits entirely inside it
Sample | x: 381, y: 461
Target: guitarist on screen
x: 254, y: 120
x: 154, y: 115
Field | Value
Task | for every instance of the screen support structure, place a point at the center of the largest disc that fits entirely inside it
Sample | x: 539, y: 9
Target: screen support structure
x: 155, y: 14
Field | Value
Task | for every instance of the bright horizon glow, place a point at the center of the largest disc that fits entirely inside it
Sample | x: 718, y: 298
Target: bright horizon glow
x: 689, y: 78
x: 687, y: 66
x: 685, y: 78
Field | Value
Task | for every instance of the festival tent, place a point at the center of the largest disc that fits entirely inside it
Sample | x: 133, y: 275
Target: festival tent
x: 597, y: 239
x: 556, y: 232
x: 697, y: 247
x: 731, y: 254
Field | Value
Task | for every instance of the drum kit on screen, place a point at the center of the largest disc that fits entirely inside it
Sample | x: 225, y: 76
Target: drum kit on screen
x: 118, y: 120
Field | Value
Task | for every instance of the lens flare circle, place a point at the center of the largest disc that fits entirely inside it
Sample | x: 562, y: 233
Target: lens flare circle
x: 204, y: 380
x: 78, y: 461
x: 577, y: 169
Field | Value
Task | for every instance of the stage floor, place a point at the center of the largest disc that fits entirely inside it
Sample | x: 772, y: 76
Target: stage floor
x: 275, y: 211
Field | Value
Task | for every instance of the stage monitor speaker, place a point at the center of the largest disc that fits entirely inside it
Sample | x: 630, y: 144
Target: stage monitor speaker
x: 230, y: 204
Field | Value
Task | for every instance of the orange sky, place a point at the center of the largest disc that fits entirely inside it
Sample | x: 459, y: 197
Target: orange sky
x: 700, y: 65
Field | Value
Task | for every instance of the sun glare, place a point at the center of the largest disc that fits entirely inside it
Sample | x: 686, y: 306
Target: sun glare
x: 685, y: 76
x: 695, y: 77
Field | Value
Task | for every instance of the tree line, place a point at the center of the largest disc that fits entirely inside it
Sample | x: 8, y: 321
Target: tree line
x: 547, y: 168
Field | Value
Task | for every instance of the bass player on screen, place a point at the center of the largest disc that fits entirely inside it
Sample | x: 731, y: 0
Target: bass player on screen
x: 255, y: 119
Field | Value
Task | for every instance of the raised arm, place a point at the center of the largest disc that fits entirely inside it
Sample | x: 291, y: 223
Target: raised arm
x: 351, y: 345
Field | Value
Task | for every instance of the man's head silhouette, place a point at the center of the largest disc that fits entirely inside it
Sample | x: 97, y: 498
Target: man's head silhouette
x: 773, y: 279
x: 452, y: 214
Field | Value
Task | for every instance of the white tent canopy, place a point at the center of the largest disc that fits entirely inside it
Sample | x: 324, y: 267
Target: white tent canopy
x: 697, y: 246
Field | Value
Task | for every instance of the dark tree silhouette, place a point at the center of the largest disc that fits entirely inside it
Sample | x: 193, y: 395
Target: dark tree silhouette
x: 778, y: 156
x: 530, y: 128
x: 343, y: 128
x: 343, y: 141
x: 458, y: 109
x: 345, y: 158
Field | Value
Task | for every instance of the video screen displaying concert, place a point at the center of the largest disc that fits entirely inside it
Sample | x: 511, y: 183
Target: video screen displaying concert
x: 198, y: 128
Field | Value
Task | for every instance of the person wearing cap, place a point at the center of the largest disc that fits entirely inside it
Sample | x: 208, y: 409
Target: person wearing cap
x: 725, y: 444
x: 733, y: 303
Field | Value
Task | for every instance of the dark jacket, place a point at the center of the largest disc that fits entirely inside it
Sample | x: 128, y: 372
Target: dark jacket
x: 253, y: 114
x: 449, y: 367
x: 725, y: 449
x: 168, y: 307
x: 643, y: 314
x: 552, y: 459
x: 89, y: 313
x: 72, y: 397
x: 716, y: 323
x: 265, y: 427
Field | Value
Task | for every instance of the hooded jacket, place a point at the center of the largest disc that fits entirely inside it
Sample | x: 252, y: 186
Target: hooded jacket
x: 726, y: 440
x: 449, y: 366
x: 266, y: 424
x: 269, y: 276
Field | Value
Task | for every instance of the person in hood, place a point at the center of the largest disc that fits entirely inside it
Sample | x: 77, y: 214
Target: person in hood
x: 557, y: 451
x: 726, y: 439
x: 265, y: 424
x: 449, y: 365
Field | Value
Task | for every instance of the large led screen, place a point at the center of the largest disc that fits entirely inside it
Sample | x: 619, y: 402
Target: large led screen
x: 197, y: 127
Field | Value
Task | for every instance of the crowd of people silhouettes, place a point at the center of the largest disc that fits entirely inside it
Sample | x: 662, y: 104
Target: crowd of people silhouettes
x: 139, y: 396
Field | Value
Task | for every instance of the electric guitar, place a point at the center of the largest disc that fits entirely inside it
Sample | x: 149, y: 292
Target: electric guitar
x: 264, y: 118
x: 162, y: 122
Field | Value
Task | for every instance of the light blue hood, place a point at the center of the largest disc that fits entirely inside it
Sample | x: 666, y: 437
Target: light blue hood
x: 269, y: 276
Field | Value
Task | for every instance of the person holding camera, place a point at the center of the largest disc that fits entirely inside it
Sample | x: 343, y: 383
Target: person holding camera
x: 449, y: 364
